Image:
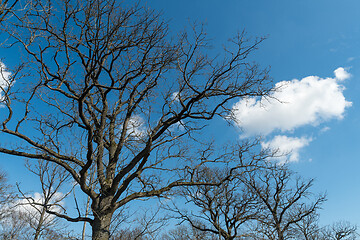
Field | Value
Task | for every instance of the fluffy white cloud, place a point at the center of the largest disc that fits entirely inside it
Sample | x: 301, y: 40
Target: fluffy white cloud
x: 24, y: 206
x: 287, y: 147
x: 341, y: 74
x: 30, y: 211
x: 298, y: 103
x: 310, y: 100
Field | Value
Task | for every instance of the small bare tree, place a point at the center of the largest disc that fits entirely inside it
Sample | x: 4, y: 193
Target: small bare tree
x: 109, y: 89
x: 285, y: 201
x: 222, y: 210
x: 14, y: 226
x: 9, y: 226
x: 341, y: 230
x: 226, y: 209
x: 308, y: 228
x: 6, y: 195
x: 186, y: 232
x: 144, y: 224
x: 52, y: 178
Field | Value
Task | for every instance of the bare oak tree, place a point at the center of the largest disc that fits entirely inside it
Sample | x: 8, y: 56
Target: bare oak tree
x: 341, y: 230
x: 108, y: 88
x: 285, y: 201
x: 221, y: 210
x: 186, y: 232
x: 52, y: 178
x: 224, y: 210
x: 309, y: 229
x: 6, y: 194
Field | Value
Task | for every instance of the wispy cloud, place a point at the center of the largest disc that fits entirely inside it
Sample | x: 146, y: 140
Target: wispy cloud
x: 350, y: 59
x: 325, y: 129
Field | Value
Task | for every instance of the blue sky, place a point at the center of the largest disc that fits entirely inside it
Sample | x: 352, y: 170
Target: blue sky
x: 307, y: 41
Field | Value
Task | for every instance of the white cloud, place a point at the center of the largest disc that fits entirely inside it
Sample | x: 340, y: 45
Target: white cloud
x: 136, y: 127
x: 4, y: 80
x: 4, y: 75
x: 341, y: 74
x: 175, y: 96
x: 350, y: 59
x: 325, y: 129
x: 29, y: 209
x: 178, y: 126
x: 310, y: 100
x: 287, y: 147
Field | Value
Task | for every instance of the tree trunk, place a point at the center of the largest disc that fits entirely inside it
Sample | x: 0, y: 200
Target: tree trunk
x: 281, y: 236
x: 101, y: 227
x: 86, y: 215
x: 39, y: 224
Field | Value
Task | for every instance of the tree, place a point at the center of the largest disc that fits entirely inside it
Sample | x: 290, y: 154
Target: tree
x: 24, y: 216
x: 185, y: 232
x: 8, y: 226
x: 146, y: 225
x: 6, y: 195
x: 285, y: 201
x: 226, y: 209
x: 17, y: 225
x: 221, y: 210
x: 339, y: 230
x: 14, y: 226
x: 106, y: 87
x: 52, y: 178
x: 309, y: 229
